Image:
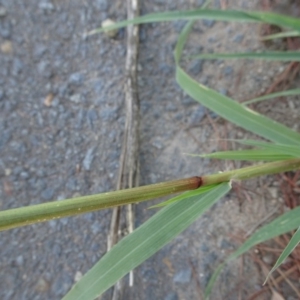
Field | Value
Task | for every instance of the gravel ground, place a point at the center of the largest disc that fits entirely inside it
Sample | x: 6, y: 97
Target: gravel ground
x: 61, y: 123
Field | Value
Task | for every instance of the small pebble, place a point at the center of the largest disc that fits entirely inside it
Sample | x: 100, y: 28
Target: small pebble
x: 178, y: 25
x: 1, y: 95
x: 268, y: 259
x: 75, y: 98
x: 197, y: 114
x: 195, y: 67
x: 111, y: 33
x: 183, y: 276
x: 227, y: 70
x: 208, y: 23
x: 46, y: 6
x: 5, y: 29
x: 171, y: 296
x: 78, y: 276
x: 44, y: 69
x: 223, y: 91
x: 42, y: 285
x: 3, y: 12
x: 238, y: 38
x: 47, y: 194
x: 76, y: 78
x: 88, y: 159
x: 6, y: 47
x: 48, y: 99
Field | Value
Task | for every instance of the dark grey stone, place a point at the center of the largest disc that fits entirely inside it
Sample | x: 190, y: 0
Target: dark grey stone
x: 39, y: 51
x: 197, y: 114
x: 109, y: 114
x: 228, y: 70
x: 183, y: 276
x: 41, y: 184
x: 2, y: 171
x: 92, y: 116
x: 5, y: 28
x: 17, y: 67
x: 212, y: 40
x: 46, y: 6
x: 223, y: 91
x: 1, y: 95
x: 47, y: 194
x: 101, y: 4
x: 79, y: 119
x: 4, y: 138
x: 88, y: 159
x: 238, y: 38
x: 96, y: 227
x: 61, y: 285
x: 171, y: 107
x: 208, y: 23
x: 179, y: 116
x: 72, y: 184
x: 44, y: 69
x: 171, y: 296
x: 98, y: 87
x: 75, y: 98
x: 17, y: 170
x: 40, y: 173
x: 204, y: 248
x: 57, y: 250
x: 142, y: 34
x: 226, y: 245
x: 63, y: 90
x: 178, y: 25
x: 76, y: 79
x: 20, y: 260
x: 195, y: 67
x: 165, y: 69
x: 3, y: 12
x: 187, y: 100
x: 24, y: 175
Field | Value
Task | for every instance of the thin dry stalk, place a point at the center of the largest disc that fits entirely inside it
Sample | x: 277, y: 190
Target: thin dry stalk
x: 129, y: 164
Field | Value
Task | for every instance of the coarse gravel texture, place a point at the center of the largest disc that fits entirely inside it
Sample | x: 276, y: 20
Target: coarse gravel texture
x: 62, y: 118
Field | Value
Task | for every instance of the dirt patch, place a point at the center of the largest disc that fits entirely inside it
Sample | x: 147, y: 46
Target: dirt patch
x: 66, y: 144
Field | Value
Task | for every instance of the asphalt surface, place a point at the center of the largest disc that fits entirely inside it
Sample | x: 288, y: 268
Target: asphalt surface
x: 62, y: 118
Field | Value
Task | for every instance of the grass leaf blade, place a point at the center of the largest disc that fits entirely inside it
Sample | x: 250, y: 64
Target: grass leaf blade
x: 287, y: 251
x: 268, y: 55
x: 235, y: 112
x: 253, y: 154
x: 211, y: 14
x: 283, y: 224
x: 144, y: 242
x: 281, y: 35
x: 289, y: 150
x: 185, y: 195
x: 273, y: 95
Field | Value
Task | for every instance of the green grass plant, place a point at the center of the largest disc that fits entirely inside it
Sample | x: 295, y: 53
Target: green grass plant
x: 200, y: 193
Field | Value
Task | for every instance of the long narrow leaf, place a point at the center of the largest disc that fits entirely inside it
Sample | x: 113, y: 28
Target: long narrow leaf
x: 227, y: 107
x: 268, y: 55
x: 253, y: 154
x: 185, y: 195
x: 144, y: 242
x: 283, y: 224
x: 287, y: 251
x: 211, y: 14
x: 290, y: 150
x: 281, y: 35
x: 236, y: 113
x: 273, y: 95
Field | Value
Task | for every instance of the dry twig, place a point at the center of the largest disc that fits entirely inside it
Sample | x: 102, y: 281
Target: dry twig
x: 129, y: 165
